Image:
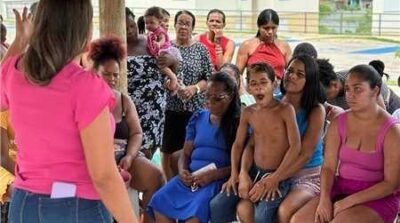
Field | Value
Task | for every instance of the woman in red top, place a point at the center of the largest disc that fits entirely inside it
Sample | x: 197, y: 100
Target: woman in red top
x: 221, y: 48
x: 265, y: 47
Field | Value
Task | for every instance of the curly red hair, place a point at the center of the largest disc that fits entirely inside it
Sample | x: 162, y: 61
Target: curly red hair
x: 110, y: 47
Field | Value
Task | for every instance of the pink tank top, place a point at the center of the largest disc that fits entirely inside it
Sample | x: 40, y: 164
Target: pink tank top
x: 358, y: 165
x: 271, y: 54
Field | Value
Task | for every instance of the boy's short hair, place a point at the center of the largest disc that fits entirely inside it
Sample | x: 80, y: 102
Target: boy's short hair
x: 260, y: 67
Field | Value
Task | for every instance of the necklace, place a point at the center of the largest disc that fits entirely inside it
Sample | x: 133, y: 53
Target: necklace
x: 188, y: 43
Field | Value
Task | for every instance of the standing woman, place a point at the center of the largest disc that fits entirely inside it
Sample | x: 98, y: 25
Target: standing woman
x: 65, y: 170
x: 145, y: 86
x: 194, y: 71
x: 265, y: 46
x: 362, y: 147
x: 221, y: 48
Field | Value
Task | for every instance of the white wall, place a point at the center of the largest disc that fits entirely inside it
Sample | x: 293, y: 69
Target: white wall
x: 386, y: 17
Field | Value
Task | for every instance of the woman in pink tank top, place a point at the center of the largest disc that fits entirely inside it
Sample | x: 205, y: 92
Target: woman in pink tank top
x: 362, y: 145
x: 220, y: 47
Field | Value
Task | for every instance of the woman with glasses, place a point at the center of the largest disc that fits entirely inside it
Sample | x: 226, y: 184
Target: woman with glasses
x: 205, y: 161
x: 194, y: 70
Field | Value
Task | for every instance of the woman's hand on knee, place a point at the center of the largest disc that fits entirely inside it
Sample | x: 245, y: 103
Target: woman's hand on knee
x: 324, y: 211
x: 230, y: 185
x: 186, y: 177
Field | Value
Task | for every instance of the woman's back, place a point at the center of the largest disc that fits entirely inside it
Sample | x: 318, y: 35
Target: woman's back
x: 47, y: 122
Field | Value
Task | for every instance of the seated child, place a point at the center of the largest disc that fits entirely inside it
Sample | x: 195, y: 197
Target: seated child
x: 158, y: 42
x: 274, y: 144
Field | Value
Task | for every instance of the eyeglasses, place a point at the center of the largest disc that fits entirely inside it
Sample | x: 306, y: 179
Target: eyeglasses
x: 216, y: 98
x: 183, y: 24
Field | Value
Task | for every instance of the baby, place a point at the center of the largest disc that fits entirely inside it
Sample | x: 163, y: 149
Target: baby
x: 158, y: 42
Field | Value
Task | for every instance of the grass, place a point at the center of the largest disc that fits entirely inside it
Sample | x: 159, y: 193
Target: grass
x: 391, y: 82
x: 397, y: 53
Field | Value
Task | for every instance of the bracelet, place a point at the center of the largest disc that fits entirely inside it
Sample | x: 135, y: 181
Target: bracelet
x: 218, y: 49
x: 198, y: 90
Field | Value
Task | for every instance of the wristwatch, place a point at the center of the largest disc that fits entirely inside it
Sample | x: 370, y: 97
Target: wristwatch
x: 197, y: 89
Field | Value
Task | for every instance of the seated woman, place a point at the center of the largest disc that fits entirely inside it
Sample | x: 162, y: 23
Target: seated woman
x: 106, y: 54
x: 363, y: 141
x: 221, y: 48
x: 209, y: 137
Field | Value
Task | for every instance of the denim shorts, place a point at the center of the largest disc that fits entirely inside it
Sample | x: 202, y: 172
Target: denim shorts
x: 38, y: 208
x: 223, y: 207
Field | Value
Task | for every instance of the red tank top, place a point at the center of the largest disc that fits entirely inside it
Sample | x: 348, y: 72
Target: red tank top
x: 211, y: 47
x: 271, y: 54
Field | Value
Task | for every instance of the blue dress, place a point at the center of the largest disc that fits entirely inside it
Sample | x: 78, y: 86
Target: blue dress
x: 176, y: 200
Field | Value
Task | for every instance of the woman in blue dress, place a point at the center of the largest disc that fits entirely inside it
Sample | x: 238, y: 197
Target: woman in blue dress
x: 209, y: 137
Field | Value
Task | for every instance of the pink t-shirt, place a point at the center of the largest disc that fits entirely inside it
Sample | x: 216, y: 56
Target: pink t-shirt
x: 47, y: 120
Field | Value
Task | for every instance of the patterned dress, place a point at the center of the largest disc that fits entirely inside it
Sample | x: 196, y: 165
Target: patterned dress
x: 195, y: 66
x: 145, y: 87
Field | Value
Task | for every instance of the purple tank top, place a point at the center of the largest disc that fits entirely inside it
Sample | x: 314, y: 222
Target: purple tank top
x: 358, y: 165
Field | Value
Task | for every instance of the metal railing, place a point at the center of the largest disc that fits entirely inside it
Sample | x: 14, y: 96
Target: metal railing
x: 244, y: 21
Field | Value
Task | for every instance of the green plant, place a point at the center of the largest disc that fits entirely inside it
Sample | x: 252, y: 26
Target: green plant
x: 324, y: 9
x: 397, y: 53
x: 351, y: 8
x: 325, y: 30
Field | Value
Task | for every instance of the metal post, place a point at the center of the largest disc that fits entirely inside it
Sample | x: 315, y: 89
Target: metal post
x: 380, y: 24
x: 341, y: 23
x: 305, y: 22
x: 241, y: 20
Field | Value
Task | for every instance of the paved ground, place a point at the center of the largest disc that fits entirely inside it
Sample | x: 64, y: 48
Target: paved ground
x: 345, y: 53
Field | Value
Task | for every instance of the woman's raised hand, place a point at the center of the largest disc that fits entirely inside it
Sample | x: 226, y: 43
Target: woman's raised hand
x: 23, y: 25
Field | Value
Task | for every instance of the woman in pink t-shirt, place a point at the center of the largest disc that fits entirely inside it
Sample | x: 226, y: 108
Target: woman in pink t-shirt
x: 65, y: 170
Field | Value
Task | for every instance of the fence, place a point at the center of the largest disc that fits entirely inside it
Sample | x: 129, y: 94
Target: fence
x: 243, y: 21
